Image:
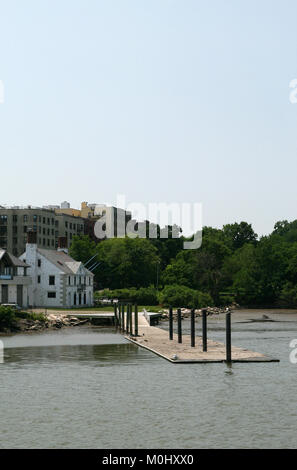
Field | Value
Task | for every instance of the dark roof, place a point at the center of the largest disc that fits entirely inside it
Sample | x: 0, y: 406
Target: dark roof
x: 63, y: 261
x: 16, y: 262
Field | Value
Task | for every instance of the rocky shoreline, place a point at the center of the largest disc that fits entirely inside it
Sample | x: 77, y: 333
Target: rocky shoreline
x: 50, y: 321
x: 186, y: 312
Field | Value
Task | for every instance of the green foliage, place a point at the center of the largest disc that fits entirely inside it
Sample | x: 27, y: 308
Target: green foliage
x: 141, y: 296
x: 127, y: 262
x: 31, y: 316
x: 82, y: 248
x: 239, y: 234
x: 8, y: 317
x: 182, y: 296
x: 232, y: 264
x: 288, y: 295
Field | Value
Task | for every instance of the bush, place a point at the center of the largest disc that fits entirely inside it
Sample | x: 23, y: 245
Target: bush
x: 31, y: 316
x: 182, y: 296
x: 7, y: 317
x: 141, y: 296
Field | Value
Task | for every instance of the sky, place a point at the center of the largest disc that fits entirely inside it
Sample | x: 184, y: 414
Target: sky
x: 163, y: 101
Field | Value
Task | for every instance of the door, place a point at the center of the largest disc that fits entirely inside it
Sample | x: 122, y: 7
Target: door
x: 4, y: 296
x: 20, y: 296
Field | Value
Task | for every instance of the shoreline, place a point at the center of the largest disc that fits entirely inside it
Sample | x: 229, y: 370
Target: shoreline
x: 60, y: 319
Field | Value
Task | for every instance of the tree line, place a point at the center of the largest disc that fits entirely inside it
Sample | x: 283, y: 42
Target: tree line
x: 232, y: 265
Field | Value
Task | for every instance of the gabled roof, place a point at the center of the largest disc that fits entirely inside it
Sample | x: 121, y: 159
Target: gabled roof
x: 63, y: 261
x: 13, y: 260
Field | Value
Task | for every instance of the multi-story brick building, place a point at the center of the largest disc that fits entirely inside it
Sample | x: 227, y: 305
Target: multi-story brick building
x: 115, y: 219
x: 15, y: 222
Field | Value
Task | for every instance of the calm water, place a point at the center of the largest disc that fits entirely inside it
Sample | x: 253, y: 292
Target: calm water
x: 89, y: 388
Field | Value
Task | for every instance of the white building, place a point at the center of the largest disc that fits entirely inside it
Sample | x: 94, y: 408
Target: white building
x: 14, y: 282
x: 57, y: 279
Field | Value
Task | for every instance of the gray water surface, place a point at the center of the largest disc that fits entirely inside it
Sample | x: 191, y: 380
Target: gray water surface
x: 90, y: 388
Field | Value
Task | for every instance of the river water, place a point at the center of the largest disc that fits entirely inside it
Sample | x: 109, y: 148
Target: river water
x: 90, y: 388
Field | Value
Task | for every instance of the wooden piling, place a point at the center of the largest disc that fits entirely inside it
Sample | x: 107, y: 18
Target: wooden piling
x: 115, y: 314
x: 179, y: 326
x: 131, y: 319
x: 193, y: 328
x: 204, y: 329
x: 127, y: 318
x: 123, y: 317
x: 136, y: 320
x: 228, y: 337
x: 170, y: 324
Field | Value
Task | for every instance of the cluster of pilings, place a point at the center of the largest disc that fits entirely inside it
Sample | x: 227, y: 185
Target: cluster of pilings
x: 204, y: 330
x: 125, y: 319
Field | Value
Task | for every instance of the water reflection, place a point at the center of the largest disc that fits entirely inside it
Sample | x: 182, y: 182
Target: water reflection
x: 77, y: 389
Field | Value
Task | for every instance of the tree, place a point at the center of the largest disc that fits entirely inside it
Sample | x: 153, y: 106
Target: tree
x: 239, y: 234
x: 82, y: 248
x: 127, y: 262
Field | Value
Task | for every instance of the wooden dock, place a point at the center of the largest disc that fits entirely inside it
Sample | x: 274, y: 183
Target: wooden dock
x: 157, y: 341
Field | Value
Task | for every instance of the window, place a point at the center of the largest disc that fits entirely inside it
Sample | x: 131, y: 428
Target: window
x: 15, y: 219
x: 34, y: 218
x: 51, y: 295
x: 51, y: 280
x: 70, y: 226
x: 48, y: 243
x: 38, y: 279
x: 25, y: 228
x: 14, y: 229
x: 43, y: 220
x: 69, y: 281
x: 66, y: 224
x: 25, y: 218
x: 39, y: 263
x: 48, y: 221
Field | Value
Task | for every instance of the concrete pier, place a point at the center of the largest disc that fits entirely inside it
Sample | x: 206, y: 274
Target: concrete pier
x: 157, y: 341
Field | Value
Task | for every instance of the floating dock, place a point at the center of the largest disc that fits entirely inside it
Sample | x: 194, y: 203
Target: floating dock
x: 157, y: 341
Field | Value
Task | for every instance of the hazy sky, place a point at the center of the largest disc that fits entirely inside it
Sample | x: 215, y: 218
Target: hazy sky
x: 160, y: 100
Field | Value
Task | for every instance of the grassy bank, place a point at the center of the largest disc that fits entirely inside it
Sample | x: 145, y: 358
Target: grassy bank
x: 107, y: 308
x: 13, y: 320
